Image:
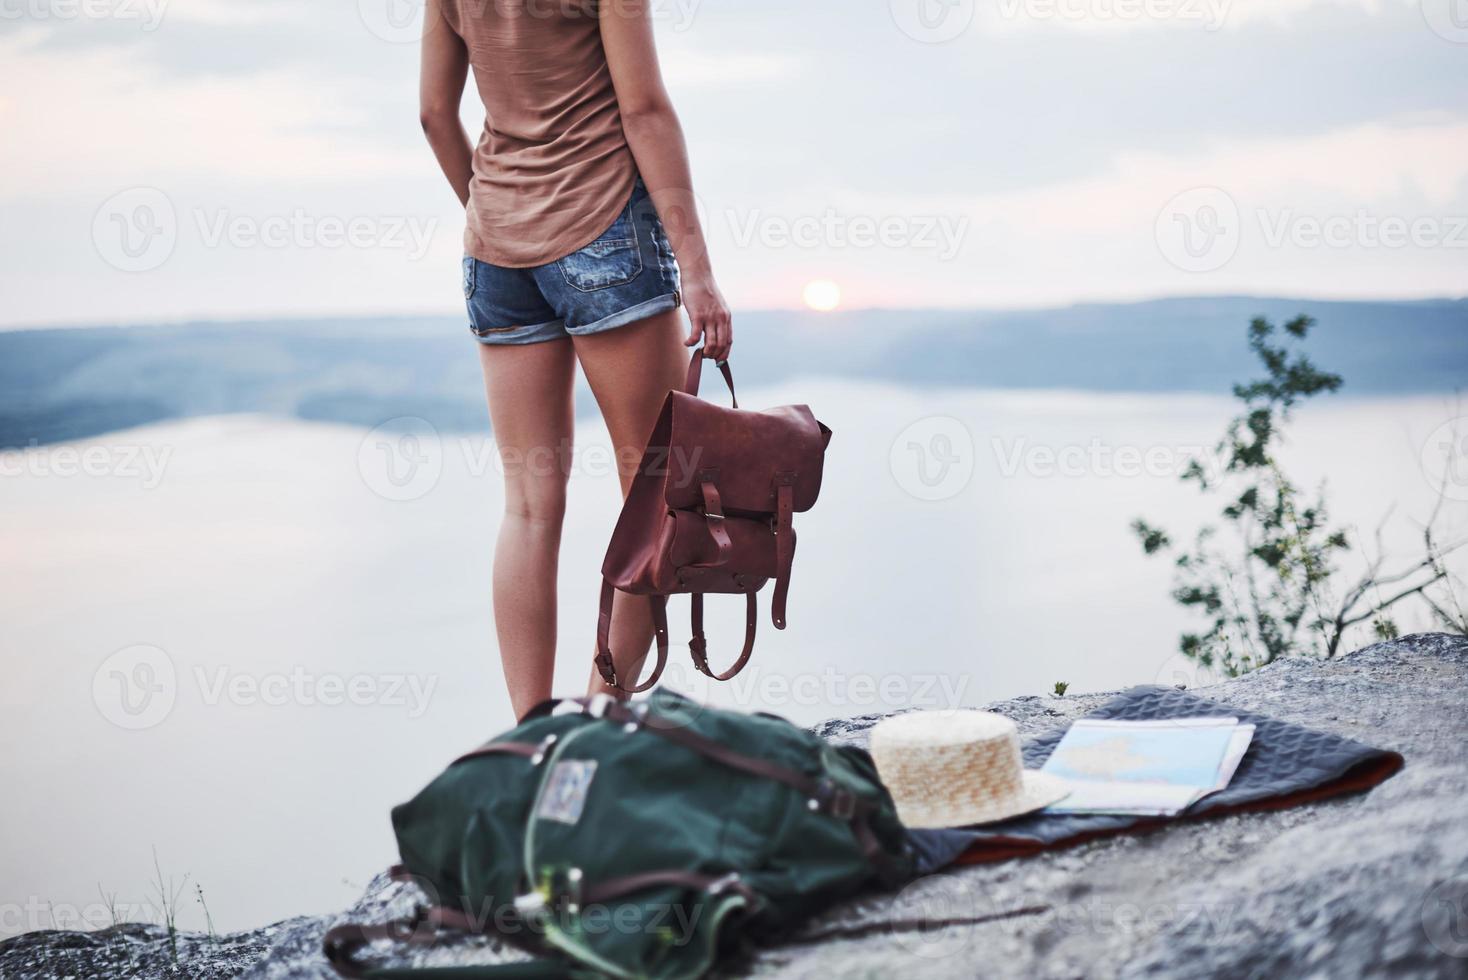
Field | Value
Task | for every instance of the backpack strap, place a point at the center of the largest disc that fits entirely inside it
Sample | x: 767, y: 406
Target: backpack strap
x: 698, y: 646
x: 604, y: 662
x: 608, y: 891
x: 784, y: 543
x: 822, y: 795
x: 524, y: 749
x: 343, y: 942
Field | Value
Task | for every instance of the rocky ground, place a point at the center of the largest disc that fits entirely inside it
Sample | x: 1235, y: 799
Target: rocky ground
x: 1371, y: 885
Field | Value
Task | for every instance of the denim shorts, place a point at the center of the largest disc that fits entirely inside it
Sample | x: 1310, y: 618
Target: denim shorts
x: 628, y: 274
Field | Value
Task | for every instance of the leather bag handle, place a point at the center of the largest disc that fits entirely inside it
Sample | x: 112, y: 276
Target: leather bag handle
x: 604, y: 662
x: 698, y: 646
x: 695, y: 371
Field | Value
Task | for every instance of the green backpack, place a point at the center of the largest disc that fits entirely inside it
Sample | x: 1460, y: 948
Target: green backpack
x: 636, y: 840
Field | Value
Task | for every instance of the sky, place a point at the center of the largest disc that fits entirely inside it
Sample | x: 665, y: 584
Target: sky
x: 166, y: 160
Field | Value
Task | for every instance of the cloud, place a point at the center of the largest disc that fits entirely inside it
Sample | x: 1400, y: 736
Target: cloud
x: 1378, y: 165
x: 692, y: 67
x: 1310, y: 218
x: 232, y: 13
x: 109, y: 119
x: 1000, y: 16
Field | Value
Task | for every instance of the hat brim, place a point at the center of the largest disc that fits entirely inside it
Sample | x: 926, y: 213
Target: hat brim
x: 1040, y: 789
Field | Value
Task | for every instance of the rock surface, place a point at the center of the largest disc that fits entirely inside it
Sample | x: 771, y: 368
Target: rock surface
x: 1370, y: 885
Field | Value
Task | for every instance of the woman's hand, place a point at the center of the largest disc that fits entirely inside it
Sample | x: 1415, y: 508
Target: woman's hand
x: 708, y: 317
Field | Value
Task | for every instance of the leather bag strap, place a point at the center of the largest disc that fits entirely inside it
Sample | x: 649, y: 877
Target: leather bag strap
x: 698, y: 646
x: 605, y: 665
x: 784, y: 544
x: 713, y: 512
x: 695, y: 370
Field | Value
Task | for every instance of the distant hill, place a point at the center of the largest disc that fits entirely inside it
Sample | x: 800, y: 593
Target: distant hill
x: 71, y: 383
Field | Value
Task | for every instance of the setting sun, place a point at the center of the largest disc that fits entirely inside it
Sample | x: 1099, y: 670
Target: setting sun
x: 822, y: 295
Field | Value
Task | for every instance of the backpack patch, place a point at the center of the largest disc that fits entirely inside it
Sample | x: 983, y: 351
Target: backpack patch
x: 565, y: 791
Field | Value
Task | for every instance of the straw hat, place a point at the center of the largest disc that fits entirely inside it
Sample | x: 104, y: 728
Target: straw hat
x: 958, y: 768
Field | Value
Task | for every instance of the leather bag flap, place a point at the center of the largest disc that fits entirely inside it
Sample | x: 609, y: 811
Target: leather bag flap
x: 745, y: 450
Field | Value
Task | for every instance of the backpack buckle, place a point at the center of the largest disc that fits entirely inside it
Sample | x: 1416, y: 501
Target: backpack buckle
x: 530, y: 907
x: 542, y: 749
x: 730, y: 880
x: 598, y: 705
x: 636, y: 718
x: 838, y: 801
x: 575, y: 886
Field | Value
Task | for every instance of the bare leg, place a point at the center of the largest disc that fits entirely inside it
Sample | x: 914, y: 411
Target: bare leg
x: 531, y: 409
x: 630, y: 370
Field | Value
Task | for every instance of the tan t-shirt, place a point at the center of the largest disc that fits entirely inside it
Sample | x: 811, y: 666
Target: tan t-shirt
x: 552, y: 168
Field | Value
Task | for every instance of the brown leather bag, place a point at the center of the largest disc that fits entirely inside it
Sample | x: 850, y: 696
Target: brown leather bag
x: 710, y: 512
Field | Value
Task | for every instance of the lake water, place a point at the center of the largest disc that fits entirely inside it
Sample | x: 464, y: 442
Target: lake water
x: 226, y: 640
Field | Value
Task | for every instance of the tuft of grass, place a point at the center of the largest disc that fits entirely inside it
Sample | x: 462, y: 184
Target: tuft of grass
x: 208, y: 919
x: 1060, y: 688
x: 168, y: 895
x: 116, y: 916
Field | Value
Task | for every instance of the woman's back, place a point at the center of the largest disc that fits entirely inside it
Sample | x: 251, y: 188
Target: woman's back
x: 552, y: 168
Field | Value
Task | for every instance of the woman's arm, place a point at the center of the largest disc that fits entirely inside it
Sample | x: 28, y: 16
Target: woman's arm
x: 440, y: 89
x: 656, y: 138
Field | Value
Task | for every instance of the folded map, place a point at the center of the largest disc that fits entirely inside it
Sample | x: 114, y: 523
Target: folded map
x: 1147, y: 768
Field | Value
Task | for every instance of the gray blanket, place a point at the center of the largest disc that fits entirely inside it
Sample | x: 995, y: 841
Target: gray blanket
x: 1286, y: 765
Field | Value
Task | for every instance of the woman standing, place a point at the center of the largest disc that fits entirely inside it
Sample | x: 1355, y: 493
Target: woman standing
x: 577, y: 196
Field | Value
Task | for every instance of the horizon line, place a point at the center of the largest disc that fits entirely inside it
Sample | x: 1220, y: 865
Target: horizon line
x: 206, y: 320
